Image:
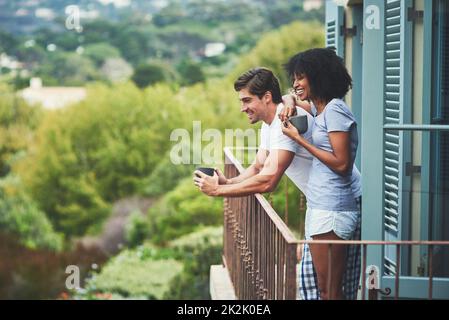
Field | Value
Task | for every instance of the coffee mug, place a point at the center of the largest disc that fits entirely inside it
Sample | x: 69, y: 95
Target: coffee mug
x: 299, y: 122
x: 205, y: 170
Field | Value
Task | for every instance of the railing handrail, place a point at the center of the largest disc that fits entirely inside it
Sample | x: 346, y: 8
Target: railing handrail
x: 264, y: 279
x: 290, y: 238
x: 278, y: 222
x: 375, y: 242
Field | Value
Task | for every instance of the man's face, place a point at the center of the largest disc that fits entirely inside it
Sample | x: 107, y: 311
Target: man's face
x: 252, y: 105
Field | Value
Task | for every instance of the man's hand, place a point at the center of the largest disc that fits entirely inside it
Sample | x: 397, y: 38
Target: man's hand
x: 221, y: 177
x: 207, y: 184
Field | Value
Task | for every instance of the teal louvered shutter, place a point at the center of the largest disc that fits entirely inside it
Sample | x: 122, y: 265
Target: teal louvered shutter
x: 398, y: 168
x: 397, y: 144
x: 391, y: 138
x: 334, y: 25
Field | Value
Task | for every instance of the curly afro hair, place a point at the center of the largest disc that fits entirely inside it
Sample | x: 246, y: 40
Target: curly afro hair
x: 325, y: 71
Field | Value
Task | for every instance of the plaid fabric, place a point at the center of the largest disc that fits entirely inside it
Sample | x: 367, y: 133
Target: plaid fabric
x: 307, y: 278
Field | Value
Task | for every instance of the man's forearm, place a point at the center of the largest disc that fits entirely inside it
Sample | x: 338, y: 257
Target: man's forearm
x: 252, y: 185
x: 248, y: 173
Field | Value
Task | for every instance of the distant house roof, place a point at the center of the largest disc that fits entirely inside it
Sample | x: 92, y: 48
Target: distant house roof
x: 52, y: 97
x: 312, y: 4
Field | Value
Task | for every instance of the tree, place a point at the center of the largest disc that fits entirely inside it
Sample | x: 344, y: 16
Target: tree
x: 148, y: 74
x: 190, y: 72
x: 100, y: 52
x: 68, y: 69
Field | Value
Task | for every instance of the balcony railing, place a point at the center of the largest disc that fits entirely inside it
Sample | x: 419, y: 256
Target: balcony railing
x: 260, y: 251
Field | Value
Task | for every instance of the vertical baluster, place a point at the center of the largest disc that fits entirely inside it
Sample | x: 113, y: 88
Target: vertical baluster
x: 430, y: 267
x: 329, y: 269
x: 364, y: 273
x: 286, y: 201
x: 398, y: 271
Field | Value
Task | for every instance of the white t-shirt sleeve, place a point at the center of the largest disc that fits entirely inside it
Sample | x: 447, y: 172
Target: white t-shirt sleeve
x: 264, y: 137
x: 278, y: 140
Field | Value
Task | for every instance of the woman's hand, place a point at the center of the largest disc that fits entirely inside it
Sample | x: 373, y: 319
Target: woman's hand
x: 289, y: 130
x: 289, y: 109
x: 207, y: 184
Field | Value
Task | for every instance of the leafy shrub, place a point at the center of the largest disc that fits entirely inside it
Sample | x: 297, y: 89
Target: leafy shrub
x: 206, y: 236
x: 136, y: 229
x: 201, y: 250
x: 20, y: 216
x: 165, y: 177
x: 17, y: 124
x: 132, y: 275
x: 182, y: 211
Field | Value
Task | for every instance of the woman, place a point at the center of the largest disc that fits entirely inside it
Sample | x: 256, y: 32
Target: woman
x: 320, y: 77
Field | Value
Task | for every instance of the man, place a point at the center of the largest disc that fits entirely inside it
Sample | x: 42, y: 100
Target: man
x: 261, y: 100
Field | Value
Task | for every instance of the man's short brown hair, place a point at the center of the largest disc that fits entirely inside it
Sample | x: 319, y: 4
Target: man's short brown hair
x: 258, y: 81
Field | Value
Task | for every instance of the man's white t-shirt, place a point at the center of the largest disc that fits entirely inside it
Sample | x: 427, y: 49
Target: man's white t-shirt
x: 272, y: 138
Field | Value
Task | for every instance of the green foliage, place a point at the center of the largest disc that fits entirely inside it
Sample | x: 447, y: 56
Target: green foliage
x: 165, y: 177
x: 276, y: 47
x: 182, y: 211
x: 296, y: 205
x: 190, y: 72
x: 17, y: 124
x: 71, y: 69
x: 132, y: 275
x: 136, y: 229
x: 99, y: 52
x: 98, y: 151
x: 206, y: 236
x: 202, y: 249
x: 19, y: 215
x: 150, y: 73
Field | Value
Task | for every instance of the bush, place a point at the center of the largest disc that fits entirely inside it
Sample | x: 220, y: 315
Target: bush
x: 20, y: 216
x: 151, y: 73
x: 17, y: 124
x: 182, y: 211
x: 132, y: 275
x: 202, y: 249
x: 165, y: 177
x: 136, y: 229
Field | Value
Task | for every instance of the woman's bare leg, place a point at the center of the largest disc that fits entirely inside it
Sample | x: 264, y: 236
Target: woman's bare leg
x: 320, y: 261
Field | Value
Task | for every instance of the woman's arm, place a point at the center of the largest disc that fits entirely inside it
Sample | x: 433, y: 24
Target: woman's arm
x: 290, y: 103
x: 338, y: 161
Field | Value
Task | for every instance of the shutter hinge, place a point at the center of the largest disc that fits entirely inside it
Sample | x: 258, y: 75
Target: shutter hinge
x: 411, y: 169
x: 414, y: 15
x: 348, y: 32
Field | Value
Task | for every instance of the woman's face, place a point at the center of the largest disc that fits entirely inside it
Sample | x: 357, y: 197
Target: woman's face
x: 302, y: 87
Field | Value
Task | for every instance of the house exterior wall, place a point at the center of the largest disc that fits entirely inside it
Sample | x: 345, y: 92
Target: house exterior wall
x: 396, y: 89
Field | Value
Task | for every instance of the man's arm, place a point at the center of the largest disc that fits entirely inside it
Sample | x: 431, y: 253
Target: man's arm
x: 253, y: 169
x: 265, y: 181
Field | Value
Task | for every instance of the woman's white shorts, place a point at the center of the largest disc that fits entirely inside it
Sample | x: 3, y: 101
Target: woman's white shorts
x: 342, y: 223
